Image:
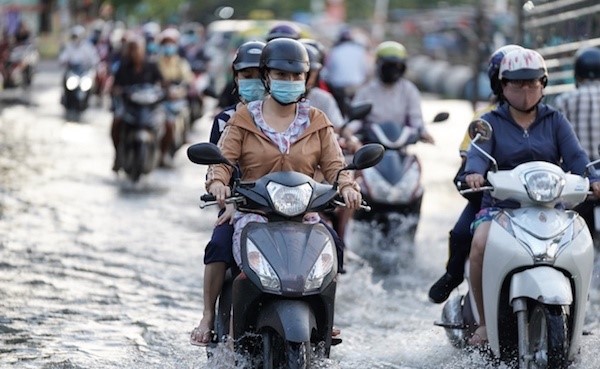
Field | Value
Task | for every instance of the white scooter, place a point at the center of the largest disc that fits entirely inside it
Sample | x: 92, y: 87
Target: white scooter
x: 537, y: 267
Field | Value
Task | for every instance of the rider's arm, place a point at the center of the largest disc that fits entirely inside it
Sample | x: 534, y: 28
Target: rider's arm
x: 230, y: 145
x: 574, y: 156
x: 414, y: 115
x: 476, y: 161
x: 65, y: 55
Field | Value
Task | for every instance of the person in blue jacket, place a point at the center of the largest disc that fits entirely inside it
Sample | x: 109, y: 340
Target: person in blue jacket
x: 524, y: 130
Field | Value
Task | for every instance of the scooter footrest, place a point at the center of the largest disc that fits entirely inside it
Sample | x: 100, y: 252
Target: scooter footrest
x: 450, y: 325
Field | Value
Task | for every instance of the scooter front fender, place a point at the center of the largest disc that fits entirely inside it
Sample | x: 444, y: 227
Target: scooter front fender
x: 544, y: 284
x: 293, y: 320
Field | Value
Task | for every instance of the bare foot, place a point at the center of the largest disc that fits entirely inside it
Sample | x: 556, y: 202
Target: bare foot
x: 203, y: 333
x: 479, y: 337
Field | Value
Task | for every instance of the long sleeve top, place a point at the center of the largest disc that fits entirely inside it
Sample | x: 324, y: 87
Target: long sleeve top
x: 550, y: 138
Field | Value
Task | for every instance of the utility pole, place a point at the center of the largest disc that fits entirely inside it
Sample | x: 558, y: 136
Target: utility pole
x: 479, y: 41
x: 519, y: 35
x: 379, y: 19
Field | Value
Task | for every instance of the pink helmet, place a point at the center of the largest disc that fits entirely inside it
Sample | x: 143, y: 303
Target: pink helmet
x: 523, y: 64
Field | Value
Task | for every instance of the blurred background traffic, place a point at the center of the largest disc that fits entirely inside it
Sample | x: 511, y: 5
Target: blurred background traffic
x: 449, y: 42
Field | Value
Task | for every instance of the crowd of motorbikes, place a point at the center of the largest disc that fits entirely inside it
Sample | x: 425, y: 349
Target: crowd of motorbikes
x: 279, y: 309
x: 18, y: 62
x: 146, y: 107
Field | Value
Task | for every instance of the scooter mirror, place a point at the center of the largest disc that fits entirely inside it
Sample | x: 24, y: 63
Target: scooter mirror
x: 441, y: 117
x: 206, y: 153
x: 367, y: 156
x: 480, y: 128
x: 359, y: 111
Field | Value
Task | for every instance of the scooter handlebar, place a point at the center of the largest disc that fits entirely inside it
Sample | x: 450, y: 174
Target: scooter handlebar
x: 363, y: 205
x: 210, y: 200
x: 463, y: 187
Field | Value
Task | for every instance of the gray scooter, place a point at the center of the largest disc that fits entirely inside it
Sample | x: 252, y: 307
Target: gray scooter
x: 283, y: 298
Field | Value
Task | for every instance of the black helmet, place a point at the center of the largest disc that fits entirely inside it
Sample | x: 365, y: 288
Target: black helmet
x: 284, y: 30
x: 284, y: 54
x: 587, y: 63
x: 248, y: 55
x: 314, y: 57
x: 317, y: 45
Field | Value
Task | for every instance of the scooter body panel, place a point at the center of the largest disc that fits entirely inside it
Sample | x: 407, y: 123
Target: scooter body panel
x: 293, y: 320
x: 550, y: 281
x: 544, y: 284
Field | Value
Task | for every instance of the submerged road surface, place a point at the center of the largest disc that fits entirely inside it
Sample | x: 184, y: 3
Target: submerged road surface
x: 98, y: 273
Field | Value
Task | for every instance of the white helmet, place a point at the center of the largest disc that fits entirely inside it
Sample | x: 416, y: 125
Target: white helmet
x: 523, y: 64
x: 169, y: 34
x: 77, y: 32
x: 151, y: 29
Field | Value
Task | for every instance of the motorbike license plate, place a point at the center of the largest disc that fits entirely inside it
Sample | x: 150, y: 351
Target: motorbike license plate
x: 597, y: 218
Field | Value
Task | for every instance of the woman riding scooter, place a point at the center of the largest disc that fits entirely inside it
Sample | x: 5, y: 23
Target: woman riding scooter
x: 460, y: 237
x: 178, y: 75
x: 280, y: 132
x: 524, y: 130
x: 135, y: 69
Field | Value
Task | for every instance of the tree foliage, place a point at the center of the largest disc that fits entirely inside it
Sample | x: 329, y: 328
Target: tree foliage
x: 205, y: 10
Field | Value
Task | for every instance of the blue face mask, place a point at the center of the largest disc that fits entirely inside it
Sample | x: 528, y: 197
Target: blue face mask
x: 287, y: 92
x: 152, y: 48
x: 251, y: 89
x: 169, y: 49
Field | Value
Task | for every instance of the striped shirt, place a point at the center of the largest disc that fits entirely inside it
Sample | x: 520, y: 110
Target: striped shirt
x: 582, y: 108
x: 219, y: 123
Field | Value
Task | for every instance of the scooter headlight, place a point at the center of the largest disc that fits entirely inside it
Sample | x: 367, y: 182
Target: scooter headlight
x: 86, y: 83
x: 323, y: 266
x: 72, y: 83
x: 543, y: 186
x: 289, y: 201
x: 259, y: 264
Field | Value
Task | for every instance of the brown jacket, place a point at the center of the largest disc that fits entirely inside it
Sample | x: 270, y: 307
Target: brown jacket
x: 244, y: 143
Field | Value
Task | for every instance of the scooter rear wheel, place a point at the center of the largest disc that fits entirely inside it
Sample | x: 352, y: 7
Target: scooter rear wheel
x: 548, y: 337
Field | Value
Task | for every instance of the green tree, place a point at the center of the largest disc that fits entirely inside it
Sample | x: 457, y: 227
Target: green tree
x: 204, y: 11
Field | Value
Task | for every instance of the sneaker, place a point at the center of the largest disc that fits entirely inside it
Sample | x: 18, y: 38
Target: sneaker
x: 441, y: 289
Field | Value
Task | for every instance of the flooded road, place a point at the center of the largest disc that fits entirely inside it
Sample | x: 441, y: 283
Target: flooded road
x: 97, y: 273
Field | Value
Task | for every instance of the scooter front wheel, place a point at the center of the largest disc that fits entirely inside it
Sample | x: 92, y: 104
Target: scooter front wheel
x: 548, y: 337
x: 278, y: 353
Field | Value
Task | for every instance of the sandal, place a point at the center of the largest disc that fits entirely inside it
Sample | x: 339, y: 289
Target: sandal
x: 202, y: 339
x: 479, y: 337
